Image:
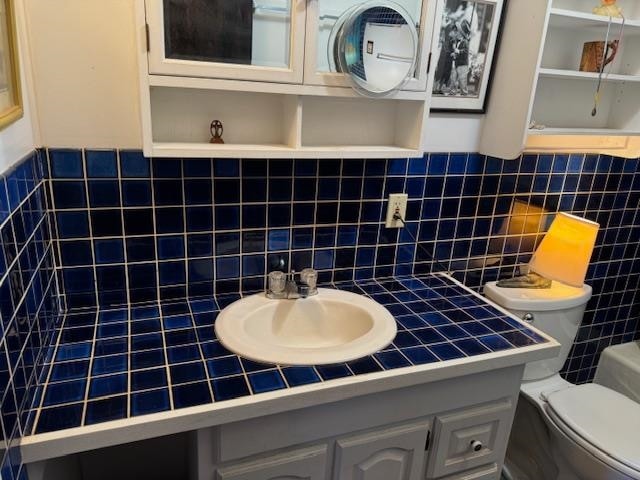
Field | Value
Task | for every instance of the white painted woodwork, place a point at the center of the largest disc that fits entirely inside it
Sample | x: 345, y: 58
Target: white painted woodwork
x: 303, y: 464
x: 489, y: 472
x: 551, y: 93
x: 514, y: 79
x: 159, y: 64
x: 454, y: 434
x: 271, y: 114
x: 396, y: 453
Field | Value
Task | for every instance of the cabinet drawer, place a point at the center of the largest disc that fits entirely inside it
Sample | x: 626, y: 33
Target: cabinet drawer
x: 306, y: 463
x: 470, y: 438
x: 489, y: 472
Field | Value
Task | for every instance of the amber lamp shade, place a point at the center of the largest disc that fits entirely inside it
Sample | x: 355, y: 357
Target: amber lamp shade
x: 565, y: 251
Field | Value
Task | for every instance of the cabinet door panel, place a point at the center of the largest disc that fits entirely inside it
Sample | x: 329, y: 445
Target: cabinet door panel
x: 322, y: 16
x: 235, y: 39
x: 395, y: 453
x: 470, y: 438
x: 304, y: 464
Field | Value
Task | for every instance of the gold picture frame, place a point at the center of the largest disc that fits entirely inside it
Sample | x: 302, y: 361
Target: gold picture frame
x: 10, y: 88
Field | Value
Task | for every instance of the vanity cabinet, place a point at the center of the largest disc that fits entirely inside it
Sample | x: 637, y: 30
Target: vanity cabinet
x: 543, y: 102
x: 261, y: 67
x: 450, y: 430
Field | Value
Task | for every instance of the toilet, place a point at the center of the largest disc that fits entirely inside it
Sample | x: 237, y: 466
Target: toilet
x: 564, y: 431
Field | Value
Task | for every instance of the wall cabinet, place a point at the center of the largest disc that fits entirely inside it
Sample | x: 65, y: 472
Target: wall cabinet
x: 267, y: 79
x: 543, y: 100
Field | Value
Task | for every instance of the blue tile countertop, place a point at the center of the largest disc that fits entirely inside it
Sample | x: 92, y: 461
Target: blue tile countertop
x: 109, y: 365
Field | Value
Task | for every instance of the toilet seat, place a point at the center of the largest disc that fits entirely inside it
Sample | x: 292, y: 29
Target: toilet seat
x: 600, y: 420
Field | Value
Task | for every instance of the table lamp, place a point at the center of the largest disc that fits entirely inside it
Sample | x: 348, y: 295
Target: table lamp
x: 563, y: 255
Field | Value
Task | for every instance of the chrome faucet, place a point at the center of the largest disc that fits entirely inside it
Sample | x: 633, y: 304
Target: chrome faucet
x: 292, y: 285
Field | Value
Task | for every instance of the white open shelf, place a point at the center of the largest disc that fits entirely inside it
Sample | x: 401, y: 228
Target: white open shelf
x: 280, y: 125
x: 550, y: 93
x: 577, y: 75
x: 565, y: 18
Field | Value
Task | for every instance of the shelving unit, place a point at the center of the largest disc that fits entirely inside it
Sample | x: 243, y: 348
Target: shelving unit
x: 276, y: 125
x: 550, y: 104
x: 267, y: 118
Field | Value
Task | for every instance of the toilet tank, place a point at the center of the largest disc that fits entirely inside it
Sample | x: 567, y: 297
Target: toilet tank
x: 619, y: 369
x: 557, y: 311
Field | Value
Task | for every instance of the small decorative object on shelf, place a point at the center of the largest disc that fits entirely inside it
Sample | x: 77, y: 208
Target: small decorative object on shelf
x: 608, y: 8
x: 593, y: 55
x: 216, y: 130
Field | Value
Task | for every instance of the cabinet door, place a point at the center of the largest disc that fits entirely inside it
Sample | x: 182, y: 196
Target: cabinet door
x: 258, y: 40
x: 470, y: 438
x: 304, y: 464
x: 322, y: 15
x: 392, y: 454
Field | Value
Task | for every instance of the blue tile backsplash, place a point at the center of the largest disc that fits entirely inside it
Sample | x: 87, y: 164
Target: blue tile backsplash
x: 28, y: 302
x: 132, y: 229
x: 122, y: 229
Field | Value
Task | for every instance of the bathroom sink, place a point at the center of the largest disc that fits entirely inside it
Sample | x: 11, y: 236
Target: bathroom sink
x: 330, y: 327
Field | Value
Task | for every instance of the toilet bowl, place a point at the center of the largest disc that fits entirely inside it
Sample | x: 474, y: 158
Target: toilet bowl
x: 564, y: 431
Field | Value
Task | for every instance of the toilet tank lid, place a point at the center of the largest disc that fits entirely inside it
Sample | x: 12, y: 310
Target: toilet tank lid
x: 558, y: 297
x: 604, y: 418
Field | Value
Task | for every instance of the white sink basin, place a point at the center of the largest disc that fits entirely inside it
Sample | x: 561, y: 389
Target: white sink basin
x: 331, y: 327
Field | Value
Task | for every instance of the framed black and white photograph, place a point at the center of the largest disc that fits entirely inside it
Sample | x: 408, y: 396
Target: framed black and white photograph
x: 467, y: 47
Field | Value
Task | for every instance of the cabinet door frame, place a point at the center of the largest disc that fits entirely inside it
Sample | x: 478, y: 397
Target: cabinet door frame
x: 159, y: 64
x: 334, y: 79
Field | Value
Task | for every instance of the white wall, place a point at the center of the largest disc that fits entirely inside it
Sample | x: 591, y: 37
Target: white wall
x: 17, y: 140
x: 86, y: 79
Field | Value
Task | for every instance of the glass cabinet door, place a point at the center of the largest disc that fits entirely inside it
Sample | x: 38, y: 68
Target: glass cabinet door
x: 322, y: 17
x: 260, y: 40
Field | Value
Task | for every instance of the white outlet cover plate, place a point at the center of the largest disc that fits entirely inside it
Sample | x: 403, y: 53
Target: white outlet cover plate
x: 399, y: 201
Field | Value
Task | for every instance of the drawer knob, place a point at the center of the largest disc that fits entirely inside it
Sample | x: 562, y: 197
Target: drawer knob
x: 476, y: 446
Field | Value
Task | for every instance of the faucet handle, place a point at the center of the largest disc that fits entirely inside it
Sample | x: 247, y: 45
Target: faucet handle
x: 310, y: 277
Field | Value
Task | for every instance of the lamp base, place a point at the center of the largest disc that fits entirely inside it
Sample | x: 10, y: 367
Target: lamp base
x: 531, y: 280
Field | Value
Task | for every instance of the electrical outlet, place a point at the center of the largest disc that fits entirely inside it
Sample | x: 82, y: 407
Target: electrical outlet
x: 397, y: 203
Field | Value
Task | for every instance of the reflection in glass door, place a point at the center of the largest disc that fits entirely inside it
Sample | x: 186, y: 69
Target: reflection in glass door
x: 224, y: 38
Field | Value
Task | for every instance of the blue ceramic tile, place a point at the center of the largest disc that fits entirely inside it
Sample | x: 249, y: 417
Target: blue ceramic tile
x: 113, y: 408
x: 362, y: 366
x: 446, y: 351
x: 101, y: 164
x: 419, y: 355
x: 109, y: 385
x: 266, y: 381
x: 187, y: 372
x: 224, y: 367
x: 297, y: 376
x: 66, y: 163
x: 64, y: 392
x: 109, y: 364
x: 392, y: 359
x: 59, y: 418
x: 191, y: 394
x: 495, y: 342
x: 143, y: 403
x: 329, y: 372
x: 230, y: 387
x: 134, y: 165
x: 148, y: 379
